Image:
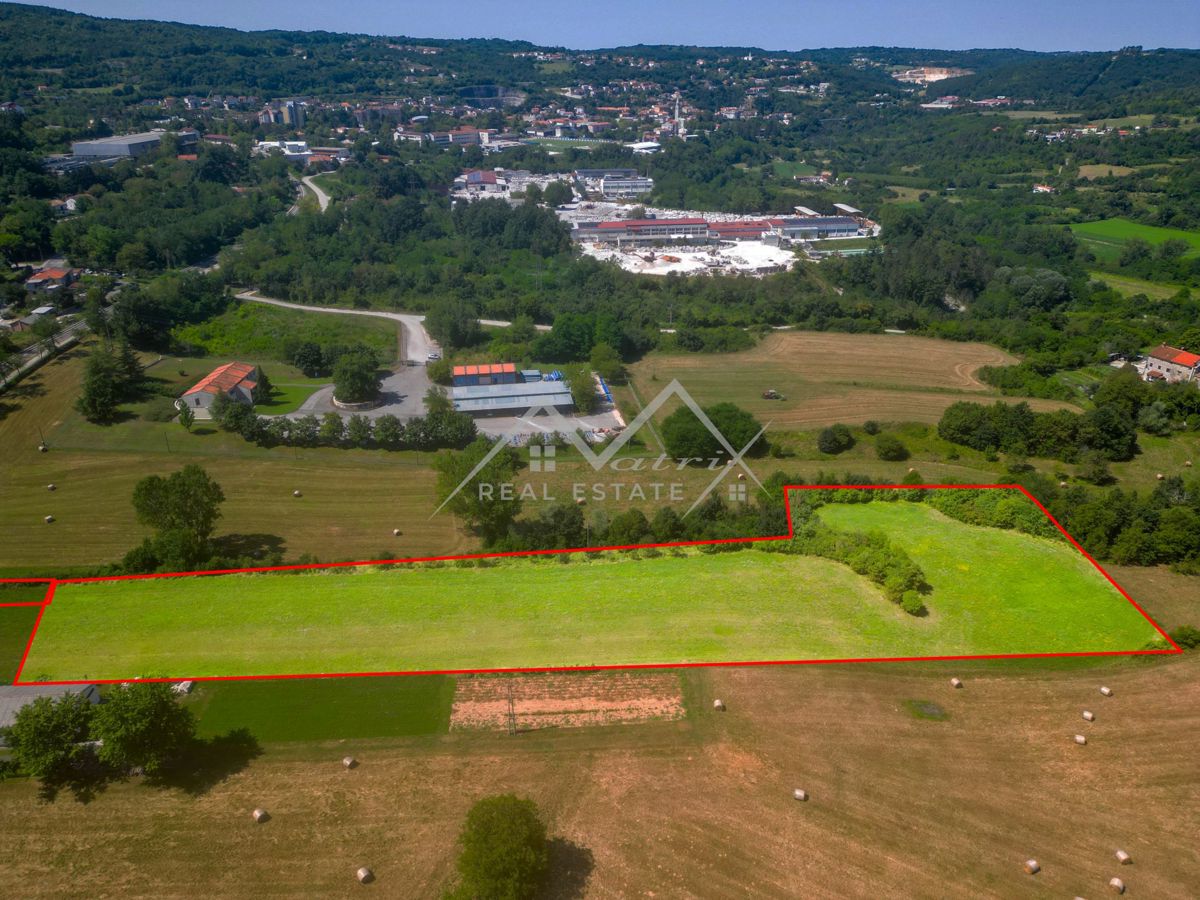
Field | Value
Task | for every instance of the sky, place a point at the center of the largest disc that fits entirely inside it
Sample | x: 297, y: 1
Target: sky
x: 770, y: 24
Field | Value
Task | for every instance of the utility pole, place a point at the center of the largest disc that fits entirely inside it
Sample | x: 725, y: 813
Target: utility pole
x: 512, y: 710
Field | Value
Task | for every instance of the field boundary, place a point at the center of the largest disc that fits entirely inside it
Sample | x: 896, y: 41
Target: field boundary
x: 1172, y: 649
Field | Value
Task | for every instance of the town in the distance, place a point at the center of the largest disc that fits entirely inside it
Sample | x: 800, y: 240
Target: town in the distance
x: 479, y: 468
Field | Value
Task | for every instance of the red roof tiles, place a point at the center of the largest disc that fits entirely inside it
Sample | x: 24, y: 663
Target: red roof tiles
x: 225, y: 378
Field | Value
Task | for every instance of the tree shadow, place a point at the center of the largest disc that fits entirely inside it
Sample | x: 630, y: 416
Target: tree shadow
x: 570, y: 870
x: 204, y: 764
x: 253, y: 546
x: 85, y: 780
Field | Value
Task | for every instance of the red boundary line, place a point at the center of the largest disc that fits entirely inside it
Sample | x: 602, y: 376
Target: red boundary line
x: 48, y: 582
x: 787, y: 489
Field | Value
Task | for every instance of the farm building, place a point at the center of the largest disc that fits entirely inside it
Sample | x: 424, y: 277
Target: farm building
x: 1170, y: 364
x: 14, y: 698
x: 236, y: 380
x: 498, y: 389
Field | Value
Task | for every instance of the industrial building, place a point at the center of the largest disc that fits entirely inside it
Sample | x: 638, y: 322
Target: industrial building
x: 498, y: 389
x: 614, y: 187
x: 127, y: 145
x: 642, y: 231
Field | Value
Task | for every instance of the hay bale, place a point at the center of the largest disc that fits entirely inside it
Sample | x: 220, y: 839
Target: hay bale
x: 1187, y: 463
x: 1032, y: 867
x: 1106, y: 691
x: 799, y: 794
x: 1124, y: 858
x: 955, y: 683
x: 261, y: 815
x: 364, y: 875
x: 719, y: 705
x: 52, y: 487
x: 42, y: 448
x: 1159, y: 476
x: 1117, y: 886
x: 49, y: 519
x: 395, y: 532
x: 1062, y: 484
x: 297, y: 494
x: 349, y: 762
x: 1089, y: 716
x: 1080, y: 739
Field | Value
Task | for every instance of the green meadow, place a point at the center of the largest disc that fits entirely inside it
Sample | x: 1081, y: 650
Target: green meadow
x: 994, y: 592
x: 1106, y: 237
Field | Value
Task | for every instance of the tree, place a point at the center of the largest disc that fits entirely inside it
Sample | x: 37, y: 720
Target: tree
x: 358, y: 431
x: 454, y: 323
x: 481, y: 502
x: 333, y: 429
x: 186, y: 417
x: 504, y: 852
x: 607, y: 362
x: 103, y: 386
x: 47, y: 735
x: 1186, y: 636
x: 187, y: 500
x: 891, y: 448
x: 355, y: 379
x: 557, y: 193
x: 389, y: 432
x: 583, y: 388
x: 835, y: 439
x: 687, y: 437
x: 438, y: 401
x: 141, y: 726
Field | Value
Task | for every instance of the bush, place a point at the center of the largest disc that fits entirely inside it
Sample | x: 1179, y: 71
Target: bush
x: 912, y: 603
x: 160, y: 409
x: 890, y: 448
x: 835, y: 439
x: 1186, y: 636
x: 871, y: 427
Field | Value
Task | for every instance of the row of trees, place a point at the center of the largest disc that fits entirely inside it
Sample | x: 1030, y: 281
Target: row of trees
x: 63, y: 740
x: 441, y: 427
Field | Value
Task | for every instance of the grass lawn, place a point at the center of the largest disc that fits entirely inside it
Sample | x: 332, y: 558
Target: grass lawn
x: 259, y: 332
x: 324, y: 709
x: 1106, y: 237
x: 788, y: 169
x: 16, y: 624
x: 989, y: 582
x: 994, y: 592
x: 1128, y: 285
x: 352, y: 498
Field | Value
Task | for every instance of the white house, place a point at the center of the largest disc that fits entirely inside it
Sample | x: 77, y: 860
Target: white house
x: 236, y: 380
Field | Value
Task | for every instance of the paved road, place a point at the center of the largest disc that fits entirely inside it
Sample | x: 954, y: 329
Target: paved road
x: 322, y: 197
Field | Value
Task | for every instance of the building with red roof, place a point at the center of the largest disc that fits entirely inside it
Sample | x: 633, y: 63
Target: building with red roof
x: 1172, y: 365
x: 236, y: 380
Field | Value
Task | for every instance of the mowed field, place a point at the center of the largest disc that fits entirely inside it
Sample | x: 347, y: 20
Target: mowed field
x: 828, y: 378
x: 993, y: 592
x: 352, y: 499
x: 1106, y: 237
x: 900, y: 805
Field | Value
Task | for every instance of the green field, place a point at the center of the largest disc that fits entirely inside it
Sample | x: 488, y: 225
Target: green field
x: 16, y: 624
x: 325, y: 709
x: 259, y: 332
x: 993, y: 592
x: 1106, y: 237
x: 1130, y: 286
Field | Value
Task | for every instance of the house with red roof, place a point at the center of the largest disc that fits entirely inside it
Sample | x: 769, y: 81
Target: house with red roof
x: 236, y: 380
x: 51, y: 280
x: 1171, y: 365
